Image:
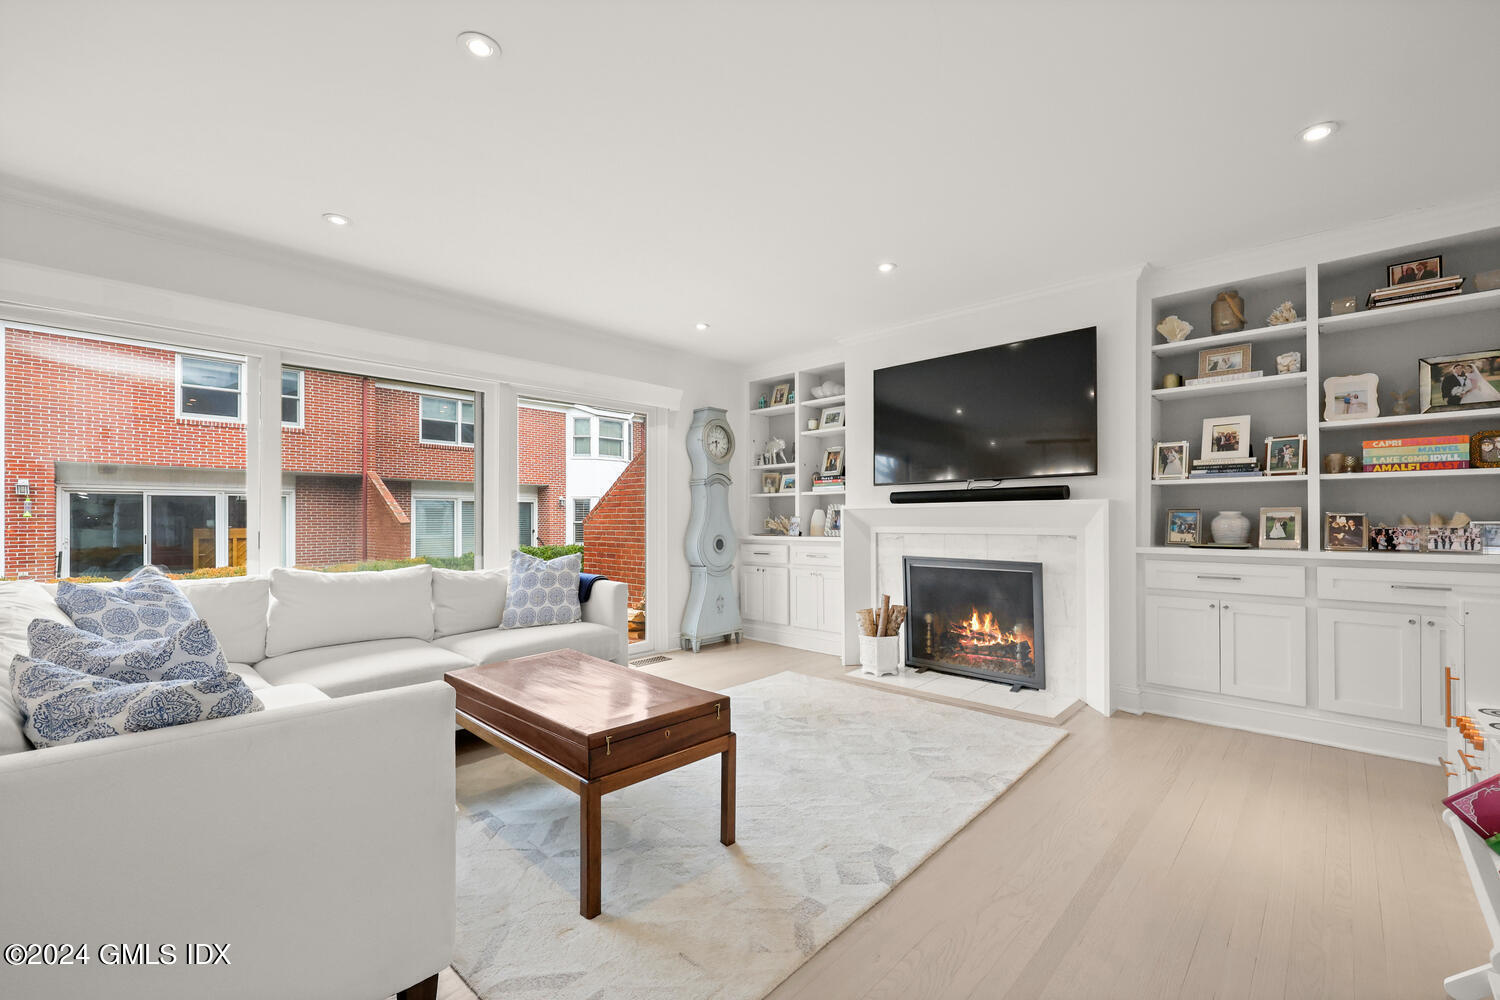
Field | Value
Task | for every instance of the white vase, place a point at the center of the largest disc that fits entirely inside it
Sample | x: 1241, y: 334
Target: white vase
x: 815, y: 523
x: 1230, y: 527
x: 879, y: 656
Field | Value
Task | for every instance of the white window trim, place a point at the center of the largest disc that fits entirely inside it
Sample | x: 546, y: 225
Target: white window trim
x: 573, y: 437
x: 458, y: 424
x: 301, y: 421
x: 624, y: 439
x: 206, y: 417
x: 627, y: 440
x: 458, y: 521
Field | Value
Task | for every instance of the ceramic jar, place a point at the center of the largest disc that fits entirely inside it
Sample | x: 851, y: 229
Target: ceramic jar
x: 1230, y: 527
x: 1228, y: 312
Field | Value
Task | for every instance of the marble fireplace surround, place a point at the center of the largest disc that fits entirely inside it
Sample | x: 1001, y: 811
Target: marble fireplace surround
x: 1070, y: 538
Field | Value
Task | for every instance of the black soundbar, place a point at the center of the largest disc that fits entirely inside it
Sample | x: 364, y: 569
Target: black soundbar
x: 991, y: 495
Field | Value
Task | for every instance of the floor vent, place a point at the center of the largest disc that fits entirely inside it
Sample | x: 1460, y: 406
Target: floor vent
x: 648, y: 661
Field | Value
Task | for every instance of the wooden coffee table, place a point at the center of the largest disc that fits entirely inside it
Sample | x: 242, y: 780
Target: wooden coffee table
x: 594, y: 727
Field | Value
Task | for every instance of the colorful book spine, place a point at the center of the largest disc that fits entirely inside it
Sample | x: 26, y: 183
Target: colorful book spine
x: 1416, y: 442
x: 1456, y: 455
x: 1415, y: 466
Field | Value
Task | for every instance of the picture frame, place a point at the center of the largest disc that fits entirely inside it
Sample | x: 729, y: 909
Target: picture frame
x: 1346, y: 532
x: 833, y: 523
x: 1484, y: 450
x: 1489, y: 535
x: 831, y: 417
x: 770, y: 482
x: 1351, y: 397
x: 1169, y: 460
x: 1228, y: 360
x: 788, y: 482
x: 1449, y: 541
x: 1184, y: 526
x: 1396, y: 538
x: 1459, y: 381
x: 781, y: 393
x: 1286, y: 455
x: 1280, y: 528
x: 833, y: 461
x: 1226, y: 439
x: 1409, y: 271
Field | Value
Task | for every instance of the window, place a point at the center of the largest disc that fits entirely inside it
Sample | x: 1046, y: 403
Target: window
x: 447, y: 421
x: 583, y: 435
x: 209, y: 387
x: 291, y: 397
x: 581, y: 508
x: 612, y: 438
x: 442, y: 527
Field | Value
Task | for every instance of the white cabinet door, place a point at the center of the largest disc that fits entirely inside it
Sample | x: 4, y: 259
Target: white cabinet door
x: 1440, y: 648
x: 831, y: 615
x: 752, y: 594
x: 807, y: 602
x: 1369, y: 664
x: 776, y: 603
x: 1182, y: 642
x: 1263, y: 651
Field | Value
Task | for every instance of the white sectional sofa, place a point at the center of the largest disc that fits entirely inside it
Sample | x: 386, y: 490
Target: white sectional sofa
x: 316, y: 838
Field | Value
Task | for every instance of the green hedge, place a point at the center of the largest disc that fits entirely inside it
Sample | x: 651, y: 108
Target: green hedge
x: 552, y: 551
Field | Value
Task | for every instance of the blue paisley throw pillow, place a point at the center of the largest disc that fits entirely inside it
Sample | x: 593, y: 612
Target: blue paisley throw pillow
x: 145, y: 605
x: 189, y: 653
x: 542, y: 592
x: 62, y: 705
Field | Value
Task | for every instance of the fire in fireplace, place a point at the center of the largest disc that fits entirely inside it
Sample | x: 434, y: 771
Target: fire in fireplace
x: 976, y: 617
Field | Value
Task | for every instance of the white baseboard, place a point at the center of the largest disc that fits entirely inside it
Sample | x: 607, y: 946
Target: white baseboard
x: 1386, y: 740
x: 1127, y: 699
x: 797, y: 638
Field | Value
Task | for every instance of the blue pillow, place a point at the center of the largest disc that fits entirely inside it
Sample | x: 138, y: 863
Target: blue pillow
x: 190, y: 652
x: 61, y: 705
x: 541, y: 592
x: 145, y: 605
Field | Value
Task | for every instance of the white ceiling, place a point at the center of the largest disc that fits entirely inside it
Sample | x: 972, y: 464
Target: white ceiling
x: 642, y: 166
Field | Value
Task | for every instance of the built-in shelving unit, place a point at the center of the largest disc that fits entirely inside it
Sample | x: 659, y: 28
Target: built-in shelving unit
x: 1195, y: 344
x: 804, y: 447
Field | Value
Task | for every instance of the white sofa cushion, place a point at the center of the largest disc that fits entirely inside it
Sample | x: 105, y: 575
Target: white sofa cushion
x: 356, y: 667
x: 253, y: 681
x: 467, y: 600
x: 542, y: 591
x: 21, y: 603
x: 236, y: 610
x: 286, y: 695
x: 493, y: 644
x: 310, y: 610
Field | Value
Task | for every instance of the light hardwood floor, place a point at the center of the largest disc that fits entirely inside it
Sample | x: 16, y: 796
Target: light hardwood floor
x: 1149, y: 857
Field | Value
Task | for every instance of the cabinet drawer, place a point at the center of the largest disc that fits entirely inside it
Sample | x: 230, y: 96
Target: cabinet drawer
x: 1226, y: 578
x: 766, y: 554
x: 1422, y: 588
x: 822, y: 555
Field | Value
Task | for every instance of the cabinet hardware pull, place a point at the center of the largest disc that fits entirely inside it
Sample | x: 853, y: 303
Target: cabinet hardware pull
x: 758, y: 552
x: 1469, y: 764
x: 1212, y: 604
x: 1219, y: 576
x: 1431, y: 623
x: 1226, y: 605
x: 815, y: 555
x: 1448, y: 678
x: 1411, y: 621
x: 1419, y: 586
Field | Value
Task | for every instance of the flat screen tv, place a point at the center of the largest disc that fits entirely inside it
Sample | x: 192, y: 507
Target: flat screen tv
x: 1025, y: 410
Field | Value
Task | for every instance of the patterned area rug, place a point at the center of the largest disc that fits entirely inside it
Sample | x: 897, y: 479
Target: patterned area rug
x: 843, y: 791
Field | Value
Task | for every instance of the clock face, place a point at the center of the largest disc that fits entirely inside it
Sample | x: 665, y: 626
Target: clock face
x: 717, y: 441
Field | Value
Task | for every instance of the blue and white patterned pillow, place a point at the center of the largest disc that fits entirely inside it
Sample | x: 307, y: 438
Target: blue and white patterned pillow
x: 542, y: 592
x: 61, y: 705
x: 189, y: 653
x: 145, y: 605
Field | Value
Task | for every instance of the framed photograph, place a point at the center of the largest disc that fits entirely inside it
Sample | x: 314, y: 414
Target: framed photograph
x: 1226, y: 439
x: 1281, y: 527
x: 788, y: 482
x: 1414, y: 270
x: 1467, y: 540
x: 833, y: 461
x: 1184, y: 526
x: 1351, y: 397
x: 1396, y: 538
x: 1459, y: 381
x: 770, y: 482
x: 1286, y: 456
x: 1489, y: 536
x: 781, y: 394
x: 1224, y: 360
x: 1346, y: 532
x: 834, y: 522
x: 832, y: 417
x: 1484, y: 450
x: 1169, y: 460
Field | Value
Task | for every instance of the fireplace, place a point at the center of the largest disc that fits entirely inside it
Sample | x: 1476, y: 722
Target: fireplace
x: 975, y: 617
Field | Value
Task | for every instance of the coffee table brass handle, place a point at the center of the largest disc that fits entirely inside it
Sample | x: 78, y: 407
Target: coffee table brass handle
x: 606, y: 746
x: 669, y: 734
x: 717, y: 714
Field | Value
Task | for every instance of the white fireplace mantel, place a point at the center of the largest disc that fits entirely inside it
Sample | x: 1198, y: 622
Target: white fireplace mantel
x: 1087, y: 520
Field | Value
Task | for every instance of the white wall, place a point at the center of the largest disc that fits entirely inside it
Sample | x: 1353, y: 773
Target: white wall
x: 1109, y: 303
x: 96, y: 263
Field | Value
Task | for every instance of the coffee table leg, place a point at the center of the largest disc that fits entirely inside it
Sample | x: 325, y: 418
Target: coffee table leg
x: 590, y: 801
x: 726, y: 794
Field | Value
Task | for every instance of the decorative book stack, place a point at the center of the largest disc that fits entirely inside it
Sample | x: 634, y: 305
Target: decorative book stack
x: 835, y: 484
x: 1237, y: 468
x: 1416, y: 454
x: 1232, y: 377
x: 1415, y: 291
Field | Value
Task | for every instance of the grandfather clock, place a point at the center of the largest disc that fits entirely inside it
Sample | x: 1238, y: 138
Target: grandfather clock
x: 713, y: 607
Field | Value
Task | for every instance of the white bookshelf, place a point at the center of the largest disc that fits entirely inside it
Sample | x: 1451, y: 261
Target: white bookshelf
x: 1192, y: 345
x: 1266, y: 383
x: 804, y: 447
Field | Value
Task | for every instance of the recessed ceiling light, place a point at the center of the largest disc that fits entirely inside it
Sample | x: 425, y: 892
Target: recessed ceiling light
x: 700, y: 327
x: 335, y: 219
x: 1319, y: 132
x: 958, y: 410
x: 478, y: 45
x: 886, y: 268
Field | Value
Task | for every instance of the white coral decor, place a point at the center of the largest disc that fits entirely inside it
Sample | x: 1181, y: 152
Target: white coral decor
x: 1174, y: 329
x: 1284, y: 313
